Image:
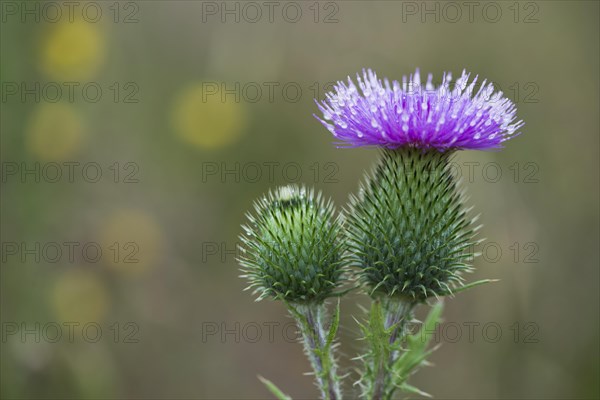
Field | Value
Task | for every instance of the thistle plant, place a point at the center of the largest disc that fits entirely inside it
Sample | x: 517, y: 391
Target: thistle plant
x: 292, y: 252
x: 407, y: 235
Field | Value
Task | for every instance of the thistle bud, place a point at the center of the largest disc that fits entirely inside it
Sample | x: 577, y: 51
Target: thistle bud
x: 408, y: 230
x: 291, y: 248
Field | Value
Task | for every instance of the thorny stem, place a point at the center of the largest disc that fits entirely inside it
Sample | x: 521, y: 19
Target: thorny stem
x: 310, y: 321
x: 396, y: 313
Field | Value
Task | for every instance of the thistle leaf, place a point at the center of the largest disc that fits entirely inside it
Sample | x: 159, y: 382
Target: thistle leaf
x: 335, y: 322
x: 473, y: 284
x: 417, y: 348
x: 405, y: 387
x: 274, y: 389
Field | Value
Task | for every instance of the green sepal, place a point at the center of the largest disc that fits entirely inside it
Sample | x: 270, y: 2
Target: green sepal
x: 409, y: 233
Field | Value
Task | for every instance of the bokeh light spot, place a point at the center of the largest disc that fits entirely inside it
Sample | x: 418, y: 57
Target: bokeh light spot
x: 73, y: 51
x: 55, y: 132
x: 202, y: 117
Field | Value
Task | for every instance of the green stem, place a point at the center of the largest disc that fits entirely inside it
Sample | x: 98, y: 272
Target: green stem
x: 396, y: 313
x: 309, y: 318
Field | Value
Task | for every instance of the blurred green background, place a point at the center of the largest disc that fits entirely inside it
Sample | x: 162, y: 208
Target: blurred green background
x: 134, y: 91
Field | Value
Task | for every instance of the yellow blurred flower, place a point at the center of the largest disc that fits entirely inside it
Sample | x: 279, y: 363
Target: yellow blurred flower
x: 73, y: 51
x: 80, y: 296
x: 54, y: 132
x: 202, y: 117
x: 132, y: 241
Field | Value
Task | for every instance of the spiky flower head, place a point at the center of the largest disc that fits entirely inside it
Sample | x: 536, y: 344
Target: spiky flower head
x: 392, y: 114
x: 409, y: 235
x: 291, y: 248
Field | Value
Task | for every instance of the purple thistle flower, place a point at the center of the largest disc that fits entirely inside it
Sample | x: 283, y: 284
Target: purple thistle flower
x: 392, y: 114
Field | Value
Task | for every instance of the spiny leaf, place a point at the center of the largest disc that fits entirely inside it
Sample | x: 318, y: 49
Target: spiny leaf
x: 418, y: 341
x: 473, y: 284
x: 274, y: 389
x: 405, y: 387
x: 334, y: 326
x: 417, y: 346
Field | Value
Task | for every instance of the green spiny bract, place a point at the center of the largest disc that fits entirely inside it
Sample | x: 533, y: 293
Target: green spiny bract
x: 408, y: 231
x: 291, y: 249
